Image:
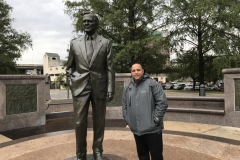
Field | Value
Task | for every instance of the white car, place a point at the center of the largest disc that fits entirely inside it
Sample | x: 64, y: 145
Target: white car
x: 179, y: 86
x: 188, y: 87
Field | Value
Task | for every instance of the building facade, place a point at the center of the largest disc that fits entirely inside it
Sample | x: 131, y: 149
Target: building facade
x: 53, y: 66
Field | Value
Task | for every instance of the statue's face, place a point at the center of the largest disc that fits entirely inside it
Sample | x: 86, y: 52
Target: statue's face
x: 89, y: 24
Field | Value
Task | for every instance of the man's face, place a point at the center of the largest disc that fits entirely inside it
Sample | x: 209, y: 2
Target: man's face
x: 137, y: 72
x: 90, y: 26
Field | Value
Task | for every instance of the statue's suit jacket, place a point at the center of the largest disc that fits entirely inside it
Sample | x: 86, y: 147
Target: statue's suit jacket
x: 100, y: 72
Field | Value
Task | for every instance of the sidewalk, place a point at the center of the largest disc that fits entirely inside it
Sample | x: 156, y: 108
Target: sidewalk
x: 232, y: 133
x: 183, y: 141
x: 226, y: 132
x: 4, y: 139
x: 63, y: 94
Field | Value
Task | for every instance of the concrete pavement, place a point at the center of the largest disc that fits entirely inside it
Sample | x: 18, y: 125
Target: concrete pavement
x: 63, y: 94
x: 202, y: 141
x: 196, y: 128
x: 204, y: 129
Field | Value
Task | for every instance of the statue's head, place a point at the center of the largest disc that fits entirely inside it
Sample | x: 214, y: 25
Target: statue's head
x: 90, y: 23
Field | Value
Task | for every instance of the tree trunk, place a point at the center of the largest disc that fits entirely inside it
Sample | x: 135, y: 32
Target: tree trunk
x: 200, y: 52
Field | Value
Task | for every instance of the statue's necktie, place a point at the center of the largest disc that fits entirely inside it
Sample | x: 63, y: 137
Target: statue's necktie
x: 89, y: 47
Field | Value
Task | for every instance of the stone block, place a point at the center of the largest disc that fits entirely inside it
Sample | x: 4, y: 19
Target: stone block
x: 22, y: 101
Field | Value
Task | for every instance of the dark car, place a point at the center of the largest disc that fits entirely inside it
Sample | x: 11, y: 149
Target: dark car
x: 169, y: 86
x: 221, y: 87
x: 179, y: 86
x: 163, y: 86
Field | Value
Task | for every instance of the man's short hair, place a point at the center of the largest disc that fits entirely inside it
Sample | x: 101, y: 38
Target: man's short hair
x: 95, y: 18
x: 134, y: 64
x: 144, y: 71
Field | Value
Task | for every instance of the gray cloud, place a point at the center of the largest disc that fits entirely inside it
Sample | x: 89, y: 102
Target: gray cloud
x: 48, y: 25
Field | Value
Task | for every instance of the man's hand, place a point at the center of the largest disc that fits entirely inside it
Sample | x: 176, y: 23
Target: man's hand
x: 110, y: 96
x: 156, y: 121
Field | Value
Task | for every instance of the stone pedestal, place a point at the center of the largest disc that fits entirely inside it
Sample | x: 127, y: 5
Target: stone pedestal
x: 232, y: 96
x: 22, y: 101
x: 121, y: 80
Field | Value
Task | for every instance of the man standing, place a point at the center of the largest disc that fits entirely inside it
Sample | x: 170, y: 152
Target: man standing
x: 144, y: 104
x: 90, y: 69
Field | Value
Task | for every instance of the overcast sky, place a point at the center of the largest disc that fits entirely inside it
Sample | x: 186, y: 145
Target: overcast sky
x: 50, y: 28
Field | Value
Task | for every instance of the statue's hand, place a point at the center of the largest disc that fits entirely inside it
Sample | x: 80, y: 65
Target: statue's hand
x: 110, y: 96
x: 69, y: 81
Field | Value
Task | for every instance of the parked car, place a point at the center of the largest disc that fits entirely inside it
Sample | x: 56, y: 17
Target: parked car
x: 188, y: 87
x: 163, y: 86
x: 197, y: 87
x: 211, y: 87
x: 221, y: 87
x: 169, y: 86
x: 179, y: 86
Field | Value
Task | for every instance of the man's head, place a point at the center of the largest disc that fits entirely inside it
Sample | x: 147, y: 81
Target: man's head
x: 90, y: 23
x: 137, y: 72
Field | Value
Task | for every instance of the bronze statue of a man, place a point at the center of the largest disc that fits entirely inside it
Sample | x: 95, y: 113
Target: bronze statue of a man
x: 90, y: 68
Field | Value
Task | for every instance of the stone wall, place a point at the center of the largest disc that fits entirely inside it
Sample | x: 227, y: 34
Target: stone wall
x: 23, y: 97
x: 232, y: 96
x: 180, y: 108
x: 209, y: 110
x: 22, y: 101
x: 121, y: 80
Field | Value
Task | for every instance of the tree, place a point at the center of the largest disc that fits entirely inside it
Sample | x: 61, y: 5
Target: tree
x: 12, y: 42
x: 227, y: 61
x: 60, y: 79
x: 186, y: 67
x: 205, y: 26
x: 133, y: 27
x: 211, y: 72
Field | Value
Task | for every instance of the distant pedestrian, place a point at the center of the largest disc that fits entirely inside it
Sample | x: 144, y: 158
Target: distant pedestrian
x: 144, y: 104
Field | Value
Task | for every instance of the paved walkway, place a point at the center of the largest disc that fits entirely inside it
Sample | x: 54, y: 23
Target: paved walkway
x: 63, y: 94
x: 230, y: 133
x: 4, y: 139
x: 202, y: 141
x: 196, y: 128
x: 204, y: 129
